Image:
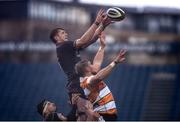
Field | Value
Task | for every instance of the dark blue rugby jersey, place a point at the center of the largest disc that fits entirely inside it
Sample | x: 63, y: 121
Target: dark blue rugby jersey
x: 68, y: 56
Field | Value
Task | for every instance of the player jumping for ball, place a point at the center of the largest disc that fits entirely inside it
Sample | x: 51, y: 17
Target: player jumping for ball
x: 93, y: 85
x: 68, y: 56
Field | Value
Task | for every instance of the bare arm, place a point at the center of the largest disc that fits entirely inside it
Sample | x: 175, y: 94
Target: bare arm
x: 102, y: 74
x: 98, y: 59
x: 105, y: 22
x: 80, y: 43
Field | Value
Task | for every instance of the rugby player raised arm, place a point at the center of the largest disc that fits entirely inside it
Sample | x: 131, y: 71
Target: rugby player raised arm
x: 68, y: 55
x: 98, y: 59
x: 93, y: 85
x: 91, y: 35
x: 104, y: 73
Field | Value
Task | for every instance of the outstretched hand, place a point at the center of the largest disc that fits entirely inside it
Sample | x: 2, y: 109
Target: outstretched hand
x: 121, y: 56
x: 100, y: 15
x: 106, y: 21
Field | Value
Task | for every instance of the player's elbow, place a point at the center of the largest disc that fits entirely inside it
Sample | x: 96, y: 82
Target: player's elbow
x: 79, y: 43
x: 83, y: 43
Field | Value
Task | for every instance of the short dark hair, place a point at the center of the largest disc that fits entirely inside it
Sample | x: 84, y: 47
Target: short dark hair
x: 53, y: 33
x: 40, y: 107
x: 80, y: 67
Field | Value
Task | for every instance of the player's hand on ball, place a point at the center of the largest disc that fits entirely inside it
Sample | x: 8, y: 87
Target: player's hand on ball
x: 106, y: 21
x: 100, y: 16
x: 102, y: 40
x: 121, y: 56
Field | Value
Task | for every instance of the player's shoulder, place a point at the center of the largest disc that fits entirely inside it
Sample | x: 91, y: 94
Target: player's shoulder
x: 86, y: 79
x: 83, y: 82
x: 65, y: 44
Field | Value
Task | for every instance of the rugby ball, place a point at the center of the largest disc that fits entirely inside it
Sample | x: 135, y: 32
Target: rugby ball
x: 116, y: 14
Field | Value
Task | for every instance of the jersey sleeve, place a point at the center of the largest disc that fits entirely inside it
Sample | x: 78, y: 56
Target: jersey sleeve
x: 89, y: 79
x: 86, y: 82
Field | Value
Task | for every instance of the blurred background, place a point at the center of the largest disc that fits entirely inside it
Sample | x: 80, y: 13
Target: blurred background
x: 145, y: 87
